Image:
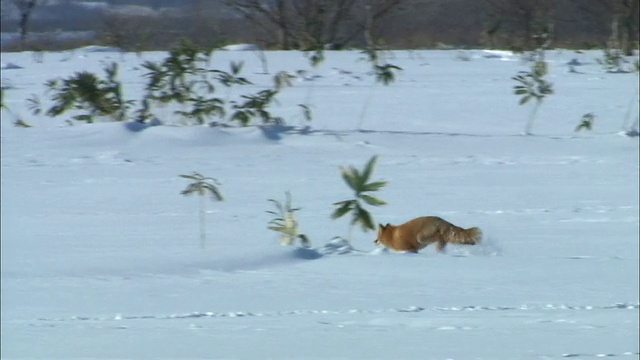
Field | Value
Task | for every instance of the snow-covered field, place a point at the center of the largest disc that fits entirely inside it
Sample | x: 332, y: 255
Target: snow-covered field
x: 101, y: 257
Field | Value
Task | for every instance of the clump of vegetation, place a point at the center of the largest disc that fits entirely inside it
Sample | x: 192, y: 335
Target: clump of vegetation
x: 203, y: 187
x: 358, y: 181
x: 532, y: 84
x: 613, y: 61
x: 184, y: 79
x: 285, y: 222
x: 256, y: 106
x: 88, y: 93
x: 315, y: 56
x: 19, y: 122
x: 587, y: 122
x: 384, y: 73
x: 2, y: 104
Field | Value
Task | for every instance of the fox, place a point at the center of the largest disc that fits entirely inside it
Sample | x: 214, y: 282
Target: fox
x: 418, y: 233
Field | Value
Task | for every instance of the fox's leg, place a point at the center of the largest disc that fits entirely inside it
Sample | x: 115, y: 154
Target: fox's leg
x: 426, y: 239
x: 441, y: 245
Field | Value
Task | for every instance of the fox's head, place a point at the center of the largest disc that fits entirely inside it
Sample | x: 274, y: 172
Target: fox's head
x: 381, y: 230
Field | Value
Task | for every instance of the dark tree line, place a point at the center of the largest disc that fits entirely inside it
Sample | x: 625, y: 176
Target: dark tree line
x: 315, y: 24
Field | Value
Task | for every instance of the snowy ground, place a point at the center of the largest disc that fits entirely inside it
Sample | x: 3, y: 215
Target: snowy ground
x: 101, y: 258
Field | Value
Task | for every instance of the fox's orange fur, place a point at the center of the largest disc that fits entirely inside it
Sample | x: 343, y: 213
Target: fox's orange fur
x: 418, y: 233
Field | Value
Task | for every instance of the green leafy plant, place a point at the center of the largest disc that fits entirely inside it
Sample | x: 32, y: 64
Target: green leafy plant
x: 2, y: 104
x: 315, y: 56
x: 19, y: 122
x: 233, y: 77
x: 306, y: 111
x: 532, y: 85
x: 587, y: 122
x: 143, y: 113
x: 282, y: 80
x: 358, y: 181
x: 34, y: 104
x: 256, y: 106
x: 203, y: 187
x: 285, y: 222
x: 613, y: 61
x: 384, y: 73
x: 183, y: 78
x: 86, y: 92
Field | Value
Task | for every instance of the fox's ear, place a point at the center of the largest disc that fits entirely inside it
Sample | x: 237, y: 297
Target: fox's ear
x: 387, y: 225
x: 380, y: 226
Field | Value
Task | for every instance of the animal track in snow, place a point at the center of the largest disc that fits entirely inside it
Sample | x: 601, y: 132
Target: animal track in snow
x: 602, y: 355
x: 410, y: 309
x: 538, y: 211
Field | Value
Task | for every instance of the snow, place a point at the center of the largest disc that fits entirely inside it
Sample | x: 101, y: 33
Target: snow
x: 97, y: 48
x: 101, y: 256
x: 499, y: 54
x: 241, y: 47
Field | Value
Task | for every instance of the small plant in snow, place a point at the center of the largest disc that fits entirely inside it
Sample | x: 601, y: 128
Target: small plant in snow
x: 256, y: 106
x: 613, y: 61
x: 19, y: 122
x: 2, y: 104
x: 86, y: 92
x: 204, y: 187
x: 282, y: 80
x: 306, y: 112
x: 183, y: 78
x: 316, y: 56
x: 586, y: 123
x: 34, y: 104
x: 384, y: 73
x: 232, y: 78
x: 358, y: 181
x: 532, y: 85
x: 285, y: 222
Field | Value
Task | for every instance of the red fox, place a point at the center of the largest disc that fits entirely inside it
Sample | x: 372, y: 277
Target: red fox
x: 416, y: 234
